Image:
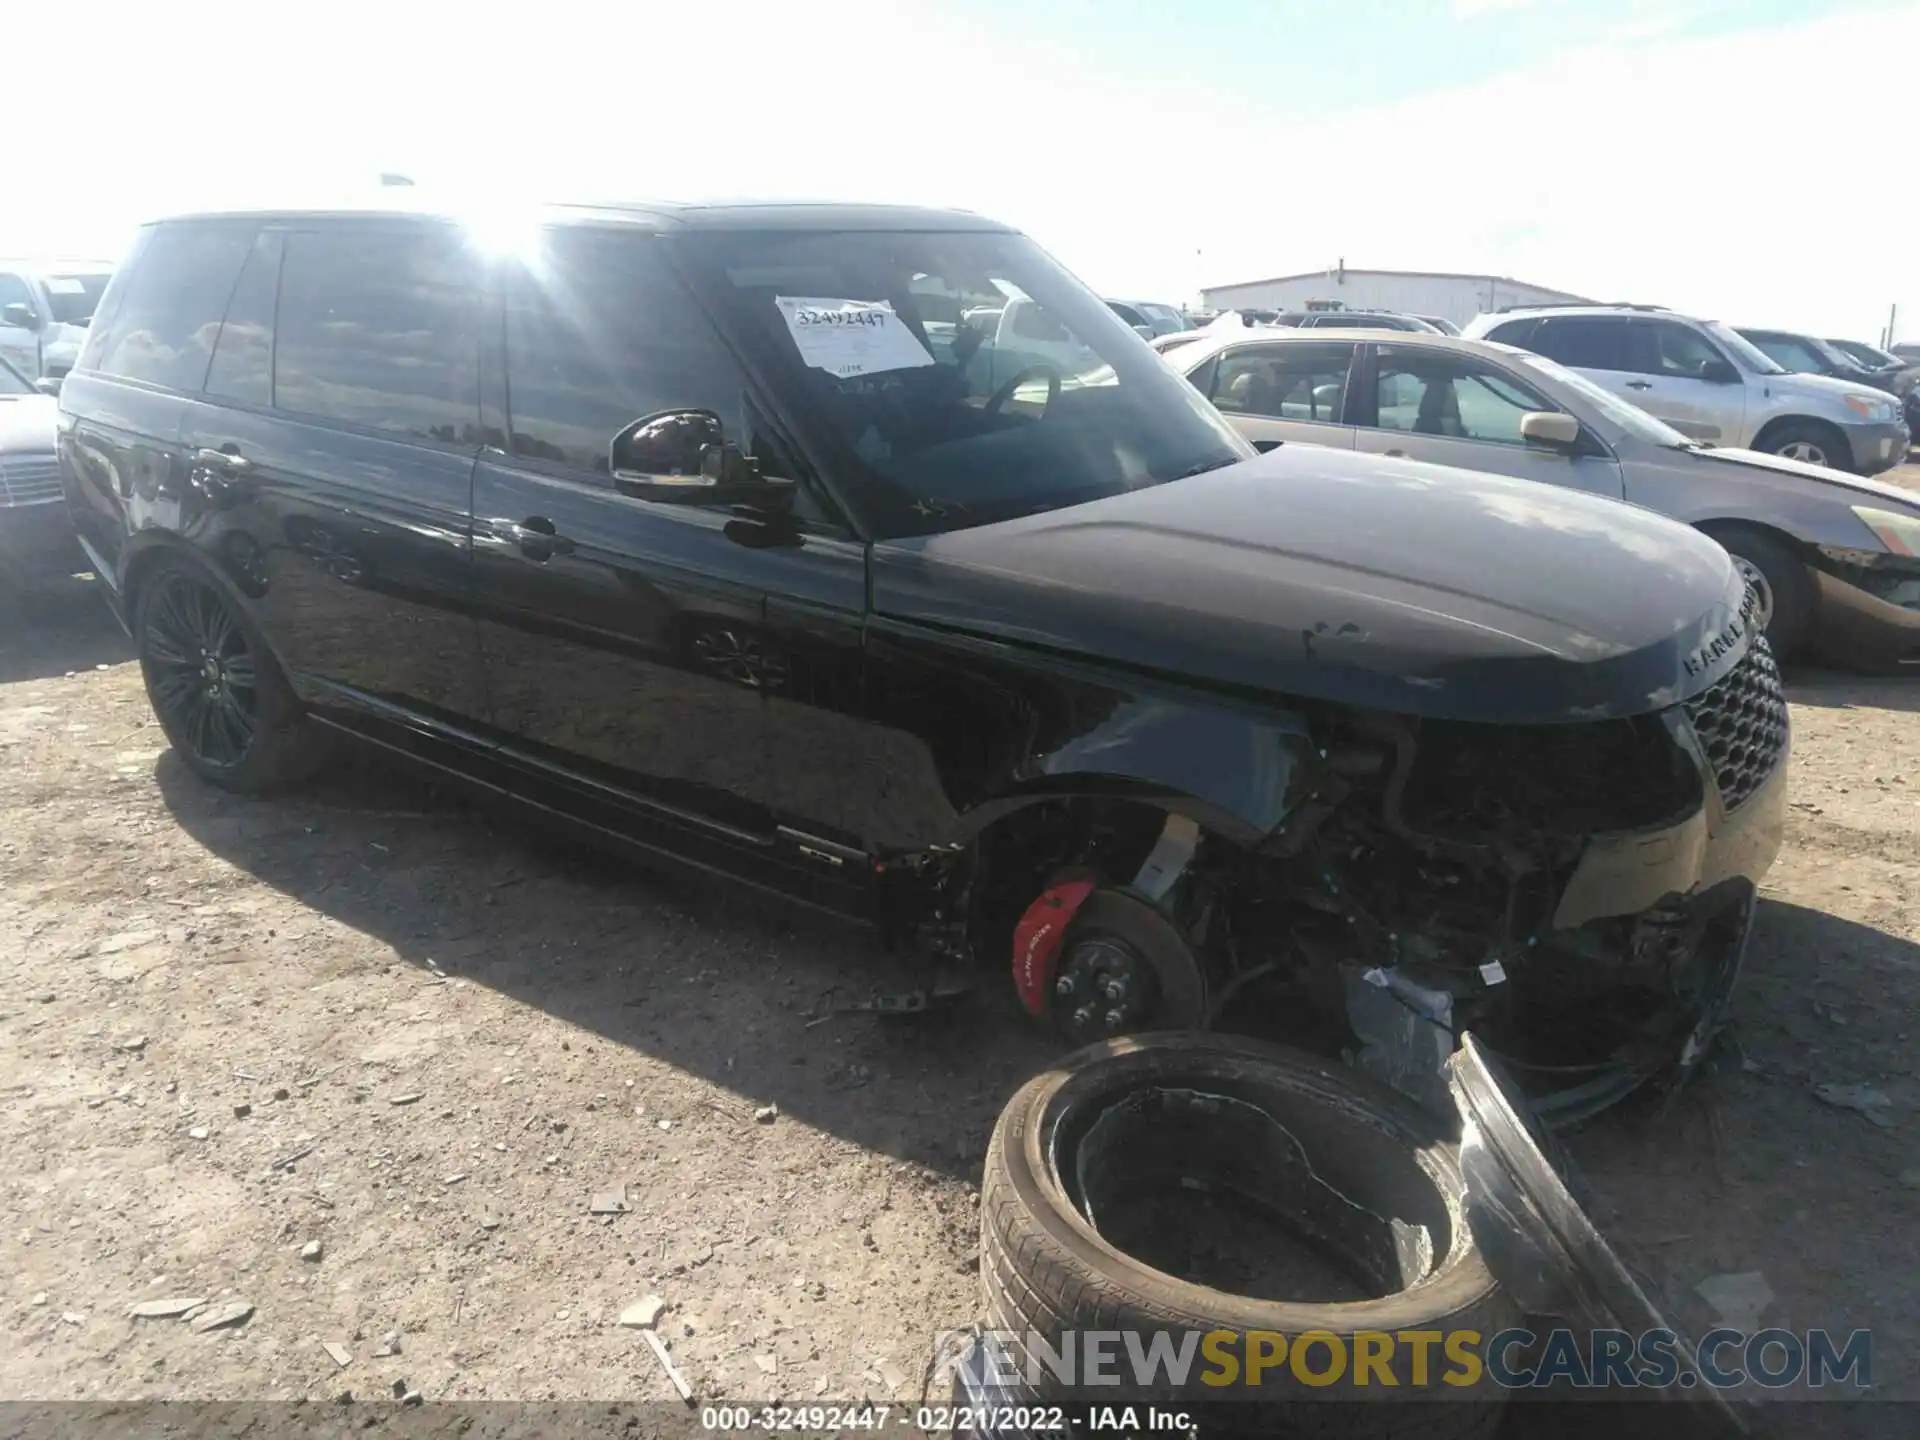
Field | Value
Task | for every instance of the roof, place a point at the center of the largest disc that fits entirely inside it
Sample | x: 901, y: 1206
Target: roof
x: 405, y: 202
x: 1401, y: 274
x: 1588, y: 308
x: 1184, y: 356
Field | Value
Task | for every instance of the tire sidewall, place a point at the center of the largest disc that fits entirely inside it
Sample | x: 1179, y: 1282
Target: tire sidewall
x: 1791, y: 623
x: 1122, y: 1293
x: 1839, y: 454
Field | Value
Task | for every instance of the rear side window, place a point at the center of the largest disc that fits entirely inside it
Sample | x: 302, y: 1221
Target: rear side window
x: 165, y: 327
x: 1284, y: 382
x: 600, y: 333
x: 378, y: 327
x: 1584, y: 342
x: 1518, y: 333
x: 243, y: 359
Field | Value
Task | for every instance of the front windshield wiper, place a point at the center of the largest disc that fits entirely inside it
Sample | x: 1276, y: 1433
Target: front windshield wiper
x: 1203, y: 466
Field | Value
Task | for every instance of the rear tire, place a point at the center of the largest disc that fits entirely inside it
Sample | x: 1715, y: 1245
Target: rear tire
x: 1046, y: 1269
x: 1785, y: 587
x: 214, y: 685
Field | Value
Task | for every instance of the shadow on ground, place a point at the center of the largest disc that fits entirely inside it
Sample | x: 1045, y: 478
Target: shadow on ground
x: 56, y: 628
x: 698, y: 974
x: 1838, y: 690
x: 1747, y: 1169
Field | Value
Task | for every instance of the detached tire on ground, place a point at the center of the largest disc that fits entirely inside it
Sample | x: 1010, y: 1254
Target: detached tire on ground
x: 1187, y: 1183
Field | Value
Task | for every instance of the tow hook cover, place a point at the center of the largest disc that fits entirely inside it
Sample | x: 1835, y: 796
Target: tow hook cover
x: 1537, y: 1240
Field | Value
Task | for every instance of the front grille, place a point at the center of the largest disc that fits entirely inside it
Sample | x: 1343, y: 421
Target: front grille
x: 1742, y: 724
x: 25, y: 479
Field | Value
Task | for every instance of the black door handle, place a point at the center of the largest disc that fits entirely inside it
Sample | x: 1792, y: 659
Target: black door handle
x: 538, y: 540
x: 1639, y: 384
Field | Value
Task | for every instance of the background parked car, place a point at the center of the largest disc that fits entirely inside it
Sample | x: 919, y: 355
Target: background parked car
x: 1711, y: 384
x: 36, y: 537
x: 1871, y: 357
x: 1810, y: 355
x: 1356, y: 320
x: 1150, y: 316
x: 1902, y: 377
x: 45, y: 307
x: 1832, y: 557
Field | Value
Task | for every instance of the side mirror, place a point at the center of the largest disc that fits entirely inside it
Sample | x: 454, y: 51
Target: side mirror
x: 48, y: 384
x: 20, y: 316
x: 683, y: 457
x: 1550, y: 428
x: 1719, y: 372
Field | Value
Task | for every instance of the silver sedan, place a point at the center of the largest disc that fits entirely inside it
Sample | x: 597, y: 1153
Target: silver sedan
x: 1835, y: 557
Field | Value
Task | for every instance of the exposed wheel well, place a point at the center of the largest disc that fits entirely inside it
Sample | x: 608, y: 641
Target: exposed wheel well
x: 1720, y: 527
x: 1016, y: 856
x: 141, y: 567
x: 1843, y: 452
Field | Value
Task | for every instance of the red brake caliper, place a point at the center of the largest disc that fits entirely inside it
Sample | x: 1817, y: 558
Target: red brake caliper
x: 1036, y: 940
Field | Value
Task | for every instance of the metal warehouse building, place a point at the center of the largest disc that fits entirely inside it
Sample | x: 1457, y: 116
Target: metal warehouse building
x: 1412, y: 292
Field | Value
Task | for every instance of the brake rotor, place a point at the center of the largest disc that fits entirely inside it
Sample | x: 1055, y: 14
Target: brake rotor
x: 1124, y: 966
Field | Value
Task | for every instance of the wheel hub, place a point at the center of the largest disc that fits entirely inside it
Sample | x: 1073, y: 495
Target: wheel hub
x: 1104, y: 987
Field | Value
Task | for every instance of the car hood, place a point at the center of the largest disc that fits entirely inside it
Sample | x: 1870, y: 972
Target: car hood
x: 1862, y: 485
x: 1819, y: 387
x: 27, y: 424
x: 1353, y: 578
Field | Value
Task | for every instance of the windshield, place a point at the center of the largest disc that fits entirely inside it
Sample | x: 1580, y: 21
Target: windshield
x: 1835, y: 356
x: 1040, y: 397
x: 1630, y: 418
x: 1868, y: 355
x: 12, y: 382
x: 73, y: 298
x: 1750, y: 356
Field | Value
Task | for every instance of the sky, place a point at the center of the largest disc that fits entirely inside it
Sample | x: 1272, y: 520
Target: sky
x: 1748, y: 160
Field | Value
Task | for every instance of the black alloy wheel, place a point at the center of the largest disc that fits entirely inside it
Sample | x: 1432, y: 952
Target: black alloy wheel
x: 201, y: 671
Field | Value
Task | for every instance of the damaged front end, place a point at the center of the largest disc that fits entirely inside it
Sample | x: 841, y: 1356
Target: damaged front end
x: 1578, y: 895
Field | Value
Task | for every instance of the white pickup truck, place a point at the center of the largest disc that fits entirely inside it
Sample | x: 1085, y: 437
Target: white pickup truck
x: 1018, y: 336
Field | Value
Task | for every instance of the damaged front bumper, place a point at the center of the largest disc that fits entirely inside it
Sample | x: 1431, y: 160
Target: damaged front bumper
x: 1629, y: 982
x: 1869, y: 615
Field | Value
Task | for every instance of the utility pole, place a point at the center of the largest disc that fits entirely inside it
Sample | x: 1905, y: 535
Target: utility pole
x: 1893, y: 316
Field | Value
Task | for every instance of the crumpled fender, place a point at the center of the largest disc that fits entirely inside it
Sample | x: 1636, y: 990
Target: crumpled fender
x: 1036, y: 940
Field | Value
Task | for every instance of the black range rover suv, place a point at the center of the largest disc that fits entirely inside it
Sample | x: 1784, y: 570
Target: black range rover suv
x: 745, y: 537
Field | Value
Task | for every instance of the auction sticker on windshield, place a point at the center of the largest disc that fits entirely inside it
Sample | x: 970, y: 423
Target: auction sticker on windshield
x: 850, y: 337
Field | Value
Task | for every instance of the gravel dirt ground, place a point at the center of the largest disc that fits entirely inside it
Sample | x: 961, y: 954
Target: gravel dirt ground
x: 365, y: 1058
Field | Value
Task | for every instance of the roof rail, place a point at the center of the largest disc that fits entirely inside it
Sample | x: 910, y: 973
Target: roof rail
x: 1581, y: 305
